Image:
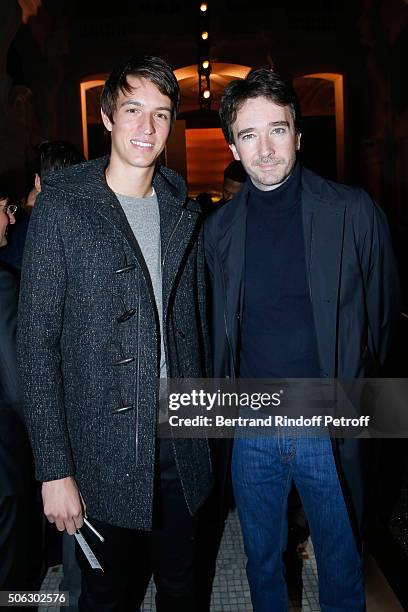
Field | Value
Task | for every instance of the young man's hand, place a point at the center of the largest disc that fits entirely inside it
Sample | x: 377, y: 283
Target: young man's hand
x: 63, y: 504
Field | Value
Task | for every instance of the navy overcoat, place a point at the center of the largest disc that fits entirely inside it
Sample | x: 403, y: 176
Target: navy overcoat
x: 353, y: 287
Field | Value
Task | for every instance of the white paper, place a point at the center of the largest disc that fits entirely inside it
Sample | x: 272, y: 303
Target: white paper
x: 93, y: 561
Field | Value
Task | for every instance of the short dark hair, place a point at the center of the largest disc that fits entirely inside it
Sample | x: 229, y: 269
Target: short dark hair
x: 154, y: 69
x: 56, y: 154
x: 259, y: 82
x: 235, y: 171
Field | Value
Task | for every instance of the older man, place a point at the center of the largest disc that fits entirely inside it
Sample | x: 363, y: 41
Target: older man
x: 304, y: 286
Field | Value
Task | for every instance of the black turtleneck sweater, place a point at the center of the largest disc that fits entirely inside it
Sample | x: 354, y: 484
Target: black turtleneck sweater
x: 278, y: 337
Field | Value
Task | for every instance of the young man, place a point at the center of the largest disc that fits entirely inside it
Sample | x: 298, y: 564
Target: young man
x: 304, y: 286
x: 112, y: 299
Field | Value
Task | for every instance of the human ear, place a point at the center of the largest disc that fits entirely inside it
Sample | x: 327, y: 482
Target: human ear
x: 298, y: 137
x: 106, y: 121
x: 37, y: 182
x: 234, y: 152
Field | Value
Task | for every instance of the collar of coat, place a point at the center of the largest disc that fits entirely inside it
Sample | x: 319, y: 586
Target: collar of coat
x: 87, y: 180
x: 318, y: 196
x: 86, y: 186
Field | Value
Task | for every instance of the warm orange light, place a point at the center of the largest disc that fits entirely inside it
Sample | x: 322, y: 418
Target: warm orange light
x: 207, y: 156
x: 206, y: 93
x: 204, y: 35
x: 84, y: 86
x: 205, y: 64
x: 203, y: 7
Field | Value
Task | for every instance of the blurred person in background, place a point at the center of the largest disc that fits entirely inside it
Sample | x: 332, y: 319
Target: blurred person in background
x: 20, y: 562
x: 7, y: 210
x: 51, y: 155
x: 234, y: 177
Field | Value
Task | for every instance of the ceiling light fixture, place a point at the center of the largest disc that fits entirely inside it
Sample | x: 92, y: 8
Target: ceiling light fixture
x: 203, y: 61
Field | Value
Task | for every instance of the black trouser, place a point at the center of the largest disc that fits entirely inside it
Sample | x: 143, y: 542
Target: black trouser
x: 129, y: 557
x: 20, y: 542
x: 13, y: 542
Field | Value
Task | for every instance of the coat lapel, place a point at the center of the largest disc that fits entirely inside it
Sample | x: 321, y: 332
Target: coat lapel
x: 231, y: 251
x: 323, y: 222
x: 179, y: 226
x: 112, y: 211
x: 106, y: 204
x: 179, y: 220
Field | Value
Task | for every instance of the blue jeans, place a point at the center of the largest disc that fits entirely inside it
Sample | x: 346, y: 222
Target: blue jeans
x: 262, y: 472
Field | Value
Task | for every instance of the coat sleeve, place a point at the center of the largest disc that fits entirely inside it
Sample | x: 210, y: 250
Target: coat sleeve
x: 382, y: 288
x: 40, y: 326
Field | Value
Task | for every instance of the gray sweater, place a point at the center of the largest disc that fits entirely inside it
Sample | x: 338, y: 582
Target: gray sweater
x: 144, y: 219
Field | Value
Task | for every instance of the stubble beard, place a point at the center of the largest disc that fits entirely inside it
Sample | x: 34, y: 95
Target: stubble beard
x: 273, y: 178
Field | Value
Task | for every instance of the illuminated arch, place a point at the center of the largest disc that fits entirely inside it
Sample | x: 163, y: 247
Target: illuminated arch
x: 221, y: 75
x: 337, y: 81
x: 85, y: 85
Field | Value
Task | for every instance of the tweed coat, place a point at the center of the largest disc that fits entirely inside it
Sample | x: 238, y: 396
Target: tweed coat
x: 89, y: 341
x: 354, y: 291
